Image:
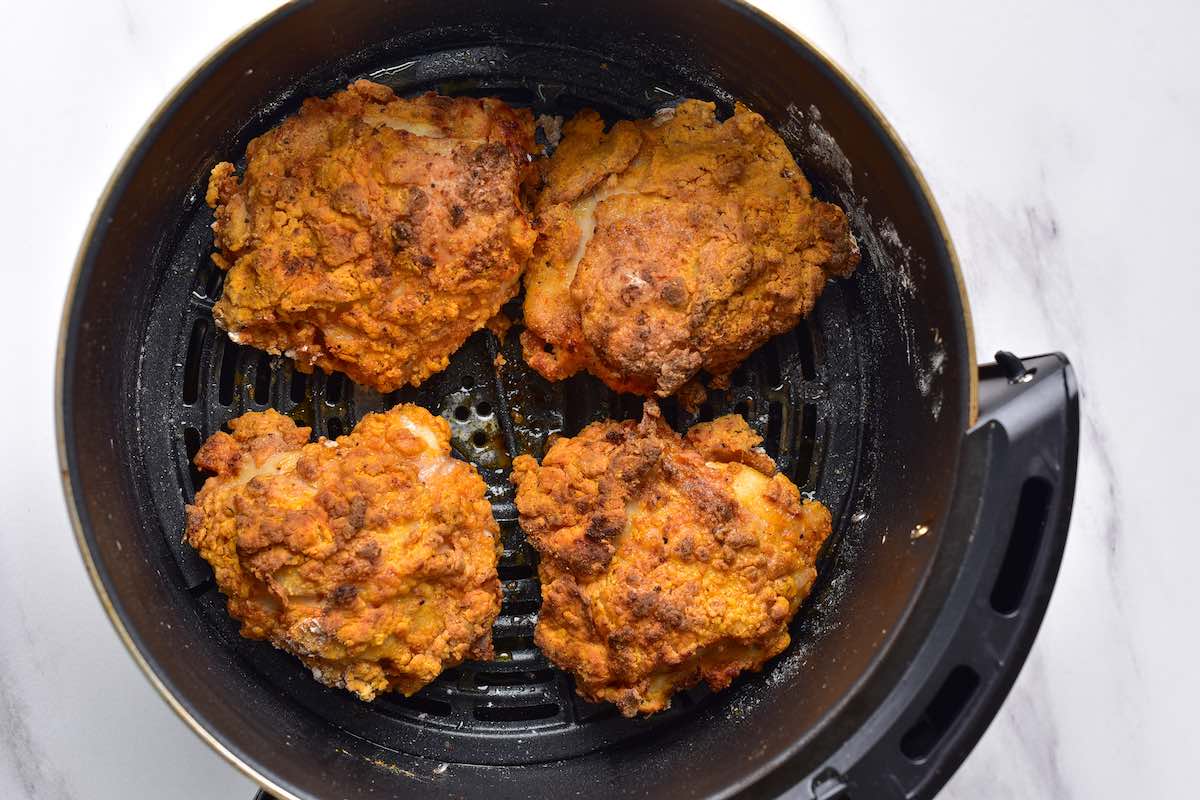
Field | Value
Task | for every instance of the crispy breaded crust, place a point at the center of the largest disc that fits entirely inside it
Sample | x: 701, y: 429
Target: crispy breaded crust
x: 372, y: 558
x: 671, y: 245
x: 372, y: 235
x: 665, y: 560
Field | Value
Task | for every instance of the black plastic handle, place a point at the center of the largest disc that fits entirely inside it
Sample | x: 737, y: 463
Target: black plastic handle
x: 1017, y: 483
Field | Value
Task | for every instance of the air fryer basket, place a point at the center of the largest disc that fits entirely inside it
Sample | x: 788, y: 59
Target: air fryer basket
x: 949, y: 523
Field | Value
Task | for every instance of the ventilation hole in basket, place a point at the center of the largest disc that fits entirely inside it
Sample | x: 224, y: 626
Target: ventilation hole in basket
x: 479, y: 438
x: 670, y: 412
x: 468, y: 382
x: 514, y: 572
x: 489, y: 713
x: 208, y: 280
x: 774, y: 428
x: 423, y: 705
x: 515, y: 606
x: 216, y: 280
x: 203, y: 587
x: 1023, y: 546
x: 484, y: 409
x: 462, y: 413
x: 191, y: 444
x: 299, y: 386
x: 228, y: 376
x: 626, y: 406
x: 804, y: 345
x: 770, y: 360
x: 945, y: 707
x: 191, y: 362
x: 334, y: 427
x: 262, y: 380
x: 334, y: 385
x: 806, y: 442
x: 203, y: 274
x: 509, y: 644
x: 591, y: 712
x: 483, y: 680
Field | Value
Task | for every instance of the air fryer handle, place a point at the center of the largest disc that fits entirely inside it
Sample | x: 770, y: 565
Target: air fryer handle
x: 1016, y: 486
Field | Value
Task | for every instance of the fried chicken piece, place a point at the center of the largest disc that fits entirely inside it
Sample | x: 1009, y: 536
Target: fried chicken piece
x: 673, y: 245
x: 371, y: 557
x: 665, y: 560
x: 371, y: 234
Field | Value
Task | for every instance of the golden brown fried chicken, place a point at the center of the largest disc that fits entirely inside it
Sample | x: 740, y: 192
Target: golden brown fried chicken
x: 372, y: 235
x: 672, y: 245
x: 371, y: 557
x: 665, y: 560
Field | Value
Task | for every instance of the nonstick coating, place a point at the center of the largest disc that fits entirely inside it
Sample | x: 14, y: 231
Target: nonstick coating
x: 864, y: 405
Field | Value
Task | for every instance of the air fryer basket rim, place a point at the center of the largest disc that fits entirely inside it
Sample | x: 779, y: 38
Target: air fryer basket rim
x: 100, y: 220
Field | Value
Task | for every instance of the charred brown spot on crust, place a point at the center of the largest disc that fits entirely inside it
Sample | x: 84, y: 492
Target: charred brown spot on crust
x: 344, y: 595
x: 418, y: 201
x: 381, y: 268
x: 674, y: 292
x: 458, y: 215
x: 358, y: 513
x: 492, y: 155
x: 478, y: 260
x: 587, y: 555
x: 402, y: 234
x: 603, y: 525
x: 334, y: 503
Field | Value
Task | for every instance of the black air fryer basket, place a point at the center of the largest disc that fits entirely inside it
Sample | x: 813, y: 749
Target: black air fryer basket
x: 950, y: 484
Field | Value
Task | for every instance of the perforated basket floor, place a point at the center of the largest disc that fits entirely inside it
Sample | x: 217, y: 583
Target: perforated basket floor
x: 801, y: 391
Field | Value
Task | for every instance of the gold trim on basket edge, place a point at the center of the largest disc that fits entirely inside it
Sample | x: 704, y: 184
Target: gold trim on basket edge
x: 68, y: 491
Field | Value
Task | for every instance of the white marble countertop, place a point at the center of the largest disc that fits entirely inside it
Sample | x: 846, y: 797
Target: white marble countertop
x: 1060, y: 139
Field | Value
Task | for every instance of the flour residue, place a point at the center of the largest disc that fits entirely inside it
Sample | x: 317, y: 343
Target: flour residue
x: 817, y: 144
x: 930, y: 370
x: 892, y: 260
